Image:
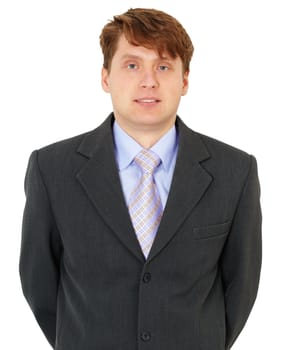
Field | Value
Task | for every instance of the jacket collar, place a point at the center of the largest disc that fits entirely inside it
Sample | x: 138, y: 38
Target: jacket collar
x: 100, y: 180
x: 190, y: 141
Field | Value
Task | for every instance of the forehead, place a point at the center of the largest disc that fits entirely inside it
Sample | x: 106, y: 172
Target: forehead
x: 125, y: 50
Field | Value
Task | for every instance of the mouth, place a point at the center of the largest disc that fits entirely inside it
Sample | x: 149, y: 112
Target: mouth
x: 147, y: 100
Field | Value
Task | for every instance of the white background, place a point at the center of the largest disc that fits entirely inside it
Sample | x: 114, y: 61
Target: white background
x: 50, y: 90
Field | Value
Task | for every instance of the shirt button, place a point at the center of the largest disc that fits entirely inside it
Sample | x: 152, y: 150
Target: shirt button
x: 145, y: 336
x: 147, y: 277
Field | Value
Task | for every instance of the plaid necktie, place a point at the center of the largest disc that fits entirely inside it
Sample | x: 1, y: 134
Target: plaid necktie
x: 144, y: 204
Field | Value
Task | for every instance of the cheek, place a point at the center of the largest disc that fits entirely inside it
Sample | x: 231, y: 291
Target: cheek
x: 123, y: 85
x: 117, y: 86
x: 176, y: 89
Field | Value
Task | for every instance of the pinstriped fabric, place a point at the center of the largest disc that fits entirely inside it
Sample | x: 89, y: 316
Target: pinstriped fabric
x: 144, y: 204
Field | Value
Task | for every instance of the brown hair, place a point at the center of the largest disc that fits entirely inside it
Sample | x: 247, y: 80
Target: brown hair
x: 149, y: 28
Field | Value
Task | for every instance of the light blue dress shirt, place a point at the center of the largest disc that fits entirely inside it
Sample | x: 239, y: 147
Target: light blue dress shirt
x: 126, y: 148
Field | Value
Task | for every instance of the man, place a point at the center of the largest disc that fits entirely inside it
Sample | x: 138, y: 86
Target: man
x: 142, y: 234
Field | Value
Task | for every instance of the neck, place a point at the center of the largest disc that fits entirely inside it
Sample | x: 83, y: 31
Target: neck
x: 147, y: 140
x: 146, y: 136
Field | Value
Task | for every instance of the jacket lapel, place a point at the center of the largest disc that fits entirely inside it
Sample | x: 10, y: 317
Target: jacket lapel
x: 189, y: 184
x: 100, y: 180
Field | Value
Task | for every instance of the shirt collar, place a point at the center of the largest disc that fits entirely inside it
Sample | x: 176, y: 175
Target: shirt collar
x: 126, y: 148
x: 166, y: 147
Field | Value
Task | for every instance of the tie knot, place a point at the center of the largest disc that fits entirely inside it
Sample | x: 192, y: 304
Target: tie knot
x: 147, y: 160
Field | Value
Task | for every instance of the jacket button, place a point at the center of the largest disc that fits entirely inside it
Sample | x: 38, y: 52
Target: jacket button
x: 147, y: 277
x: 145, y: 336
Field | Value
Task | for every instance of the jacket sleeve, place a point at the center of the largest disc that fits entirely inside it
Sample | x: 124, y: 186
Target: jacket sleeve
x: 40, y: 252
x: 241, y: 260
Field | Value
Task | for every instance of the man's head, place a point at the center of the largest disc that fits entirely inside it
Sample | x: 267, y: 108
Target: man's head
x: 146, y: 67
x: 149, y: 28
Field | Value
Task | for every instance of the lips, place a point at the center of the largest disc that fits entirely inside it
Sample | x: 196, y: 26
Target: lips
x: 147, y: 100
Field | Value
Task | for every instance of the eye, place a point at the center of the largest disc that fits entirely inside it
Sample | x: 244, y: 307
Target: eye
x: 163, y: 68
x: 132, y: 66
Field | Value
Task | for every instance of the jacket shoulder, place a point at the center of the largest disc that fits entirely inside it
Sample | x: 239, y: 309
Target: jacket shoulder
x: 83, y: 143
x: 221, y: 150
x: 226, y: 159
x: 63, y: 146
x: 60, y: 156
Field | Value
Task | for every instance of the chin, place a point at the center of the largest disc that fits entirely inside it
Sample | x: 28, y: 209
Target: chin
x: 149, y: 120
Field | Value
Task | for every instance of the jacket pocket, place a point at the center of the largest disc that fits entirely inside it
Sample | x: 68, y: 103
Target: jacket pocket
x: 212, y: 231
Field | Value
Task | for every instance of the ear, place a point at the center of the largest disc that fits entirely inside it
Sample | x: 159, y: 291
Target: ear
x: 185, y: 83
x: 105, y: 80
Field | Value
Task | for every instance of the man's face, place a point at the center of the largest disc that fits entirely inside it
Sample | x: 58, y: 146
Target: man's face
x: 145, y: 89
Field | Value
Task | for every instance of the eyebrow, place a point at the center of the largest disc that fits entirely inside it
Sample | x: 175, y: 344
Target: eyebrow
x: 136, y: 57
x: 127, y: 56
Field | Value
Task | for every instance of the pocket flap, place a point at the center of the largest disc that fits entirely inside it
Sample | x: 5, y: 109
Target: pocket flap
x: 212, y: 230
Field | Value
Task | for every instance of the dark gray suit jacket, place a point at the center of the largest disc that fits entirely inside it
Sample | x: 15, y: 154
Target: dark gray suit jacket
x: 82, y: 269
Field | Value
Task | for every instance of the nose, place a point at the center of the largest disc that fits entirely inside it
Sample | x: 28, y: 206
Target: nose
x: 149, y: 79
